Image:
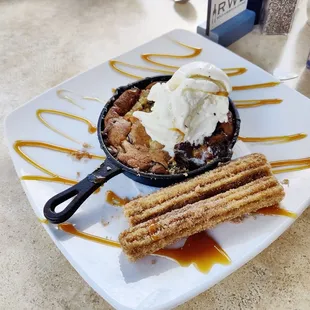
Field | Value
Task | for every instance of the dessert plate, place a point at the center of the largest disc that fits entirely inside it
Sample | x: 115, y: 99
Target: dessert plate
x: 153, y: 282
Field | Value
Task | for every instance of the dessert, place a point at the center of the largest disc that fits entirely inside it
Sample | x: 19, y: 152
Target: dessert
x: 155, y: 234
x: 226, y: 193
x: 229, y: 176
x: 173, y: 127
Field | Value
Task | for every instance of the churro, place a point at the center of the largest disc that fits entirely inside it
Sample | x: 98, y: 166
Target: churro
x: 226, y: 177
x: 155, y: 234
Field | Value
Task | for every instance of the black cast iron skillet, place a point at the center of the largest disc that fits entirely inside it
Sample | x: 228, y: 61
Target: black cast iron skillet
x: 112, y: 167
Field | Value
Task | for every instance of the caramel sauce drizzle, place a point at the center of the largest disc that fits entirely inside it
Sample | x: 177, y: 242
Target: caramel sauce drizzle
x: 291, y: 169
x: 92, y: 99
x: 218, y: 93
x: 243, y: 104
x: 274, y: 139
x: 56, y: 179
x: 147, y: 57
x: 180, y: 132
x: 113, y: 64
x: 201, y: 250
x: 218, y: 83
x: 221, y: 93
x: 196, y: 52
x: 62, y: 94
x: 255, y: 86
x: 275, y: 210
x: 235, y: 71
x: 43, y: 221
x: 91, y: 128
x: 292, y: 164
x: 52, y: 177
x: 115, y: 200
x: 70, y: 229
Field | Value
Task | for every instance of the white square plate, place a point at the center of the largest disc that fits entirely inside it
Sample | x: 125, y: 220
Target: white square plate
x: 165, y: 284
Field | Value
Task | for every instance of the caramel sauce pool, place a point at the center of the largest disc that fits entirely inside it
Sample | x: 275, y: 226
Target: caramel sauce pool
x: 115, y: 200
x: 200, y: 250
x: 276, y: 211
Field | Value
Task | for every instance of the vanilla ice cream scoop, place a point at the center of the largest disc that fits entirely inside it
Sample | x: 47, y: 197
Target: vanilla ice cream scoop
x: 187, y: 107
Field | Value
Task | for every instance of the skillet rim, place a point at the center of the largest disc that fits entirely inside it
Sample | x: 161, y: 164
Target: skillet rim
x: 141, y: 84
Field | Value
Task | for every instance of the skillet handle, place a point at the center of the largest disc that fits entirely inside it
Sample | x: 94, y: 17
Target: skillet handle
x: 81, y: 191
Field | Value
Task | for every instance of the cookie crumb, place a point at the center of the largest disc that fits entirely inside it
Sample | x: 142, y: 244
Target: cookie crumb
x: 197, y: 189
x: 153, y: 261
x: 78, y: 174
x: 286, y: 182
x: 86, y: 145
x: 104, y: 223
x: 238, y: 220
x: 80, y: 154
